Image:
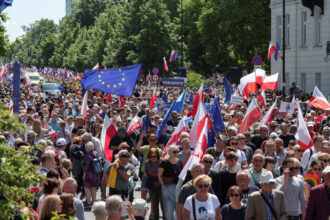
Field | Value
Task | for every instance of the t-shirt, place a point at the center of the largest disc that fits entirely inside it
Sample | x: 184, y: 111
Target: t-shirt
x: 145, y: 150
x: 241, y: 156
x: 182, y: 156
x: 286, y: 139
x: 187, y: 190
x: 121, y: 183
x: 171, y: 170
x: 247, y: 192
x: 204, y: 210
x: 229, y: 213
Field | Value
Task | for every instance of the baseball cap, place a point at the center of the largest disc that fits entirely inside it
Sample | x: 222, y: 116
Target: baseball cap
x: 61, y: 142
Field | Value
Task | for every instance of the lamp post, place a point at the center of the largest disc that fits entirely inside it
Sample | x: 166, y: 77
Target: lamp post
x: 283, y: 56
x: 181, y: 35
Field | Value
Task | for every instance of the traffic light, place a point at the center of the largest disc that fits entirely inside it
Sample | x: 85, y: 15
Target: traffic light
x: 29, y: 53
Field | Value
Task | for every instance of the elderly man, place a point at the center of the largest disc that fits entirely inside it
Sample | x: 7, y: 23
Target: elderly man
x: 325, y: 148
x: 268, y: 203
x: 256, y: 170
x: 279, y: 148
x: 244, y: 148
x: 318, y: 203
x: 70, y: 186
x: 243, y: 180
x: 293, y: 189
x: 115, y: 208
x: 99, y: 211
x: 261, y: 137
x: 185, y: 153
x: 306, y: 157
x: 97, y: 144
x: 120, y: 137
x: 139, y: 209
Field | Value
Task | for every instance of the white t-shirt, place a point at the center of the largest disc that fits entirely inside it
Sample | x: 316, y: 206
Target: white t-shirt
x: 204, y: 210
x: 241, y: 156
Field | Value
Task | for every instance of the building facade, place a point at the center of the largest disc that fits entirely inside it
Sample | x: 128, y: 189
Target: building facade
x: 307, y: 30
x: 68, y: 7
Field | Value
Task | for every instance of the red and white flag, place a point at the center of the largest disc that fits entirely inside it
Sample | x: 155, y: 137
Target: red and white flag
x: 35, y: 115
x: 262, y: 99
x: 96, y: 67
x: 270, y: 82
x: 271, y: 50
x: 11, y: 106
x: 198, y: 123
x: 108, y: 131
x: 153, y: 98
x: 3, y: 72
x: 318, y: 100
x: 120, y: 102
x: 198, y: 98
x: 269, y: 115
x: 302, y: 136
x: 199, y: 150
x: 248, y: 84
x: 84, y: 106
x: 260, y: 76
x: 134, y: 125
x: 252, y: 115
x: 52, y: 133
x: 165, y: 65
x: 175, y: 135
x: 27, y: 81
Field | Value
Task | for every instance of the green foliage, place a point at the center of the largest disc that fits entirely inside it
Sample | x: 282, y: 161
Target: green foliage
x: 86, y: 11
x: 16, y: 171
x: 3, y: 38
x: 194, y: 80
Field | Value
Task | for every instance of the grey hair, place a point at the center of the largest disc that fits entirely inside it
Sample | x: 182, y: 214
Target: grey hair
x: 86, y: 136
x: 197, y: 165
x: 42, y: 142
x: 123, y: 153
x: 98, y: 209
x: 90, y: 146
x: 114, y: 204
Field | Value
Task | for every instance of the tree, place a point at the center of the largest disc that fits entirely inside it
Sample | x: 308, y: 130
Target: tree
x: 4, y: 43
x: 16, y: 170
x: 194, y: 80
x: 86, y: 11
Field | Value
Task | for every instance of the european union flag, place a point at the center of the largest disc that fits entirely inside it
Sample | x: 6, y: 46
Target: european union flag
x: 191, y: 97
x: 117, y: 81
x: 179, y: 102
x: 4, y: 4
x: 164, y: 98
x: 228, y: 90
x: 146, y: 123
x: 217, y: 121
x: 165, y: 120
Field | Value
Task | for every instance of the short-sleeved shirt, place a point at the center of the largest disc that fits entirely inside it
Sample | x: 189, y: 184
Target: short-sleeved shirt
x: 204, y: 210
x: 145, y: 150
x: 171, y: 170
x: 229, y: 213
x: 121, y: 183
x: 183, y: 156
x: 187, y: 190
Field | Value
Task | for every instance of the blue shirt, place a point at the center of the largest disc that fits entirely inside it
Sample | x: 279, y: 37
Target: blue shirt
x: 55, y: 126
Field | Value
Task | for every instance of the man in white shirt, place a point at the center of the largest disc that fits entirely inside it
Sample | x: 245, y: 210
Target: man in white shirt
x: 309, y: 152
x: 325, y: 148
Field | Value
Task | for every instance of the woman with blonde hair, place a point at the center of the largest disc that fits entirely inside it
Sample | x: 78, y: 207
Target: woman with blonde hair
x: 37, y: 128
x: 52, y: 204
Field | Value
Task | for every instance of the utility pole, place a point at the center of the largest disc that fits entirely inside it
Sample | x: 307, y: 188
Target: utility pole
x: 181, y: 35
x: 283, y: 56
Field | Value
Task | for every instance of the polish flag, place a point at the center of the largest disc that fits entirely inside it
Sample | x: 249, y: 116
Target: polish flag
x: 121, y: 102
x: 153, y: 98
x: 248, y: 84
x: 96, y: 67
x: 175, y: 135
x: 262, y: 99
x: 198, y: 98
x: 199, y: 150
x: 11, y: 106
x: 108, y: 131
x: 260, y: 76
x: 35, y: 115
x: 318, y: 100
x: 269, y: 115
x: 271, y: 50
x: 27, y: 80
x: 303, y: 137
x: 3, y: 72
x: 109, y: 97
x: 252, y: 115
x: 165, y: 65
x: 52, y: 133
x: 320, y: 118
x: 134, y: 125
x: 198, y: 123
x: 270, y: 82
x: 84, y: 106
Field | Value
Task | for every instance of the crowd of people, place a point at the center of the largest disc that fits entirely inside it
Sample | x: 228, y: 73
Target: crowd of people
x: 259, y: 174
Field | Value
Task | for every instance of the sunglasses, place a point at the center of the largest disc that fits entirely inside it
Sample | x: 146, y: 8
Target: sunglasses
x: 270, y: 183
x: 234, y: 143
x: 203, y: 186
x: 317, y: 169
x: 175, y: 152
x: 326, y: 160
x: 294, y: 168
x: 234, y: 195
x: 273, y: 126
x: 207, y: 161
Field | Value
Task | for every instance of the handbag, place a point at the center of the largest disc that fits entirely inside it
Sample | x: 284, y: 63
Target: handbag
x: 194, y: 207
x: 269, y: 205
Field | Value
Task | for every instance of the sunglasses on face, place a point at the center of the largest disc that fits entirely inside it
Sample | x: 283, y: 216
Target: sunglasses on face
x: 326, y: 160
x: 269, y: 184
x: 273, y: 126
x: 294, y: 168
x: 234, y: 143
x: 207, y: 161
x: 175, y: 152
x: 317, y: 169
x: 234, y: 195
x: 203, y: 186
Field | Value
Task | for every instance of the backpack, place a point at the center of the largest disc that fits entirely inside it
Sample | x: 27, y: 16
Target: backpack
x: 98, y: 164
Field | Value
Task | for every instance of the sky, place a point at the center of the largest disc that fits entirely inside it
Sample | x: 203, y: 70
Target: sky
x: 25, y: 12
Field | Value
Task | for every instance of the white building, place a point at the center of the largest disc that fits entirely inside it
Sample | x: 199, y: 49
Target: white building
x: 307, y: 33
x: 68, y: 7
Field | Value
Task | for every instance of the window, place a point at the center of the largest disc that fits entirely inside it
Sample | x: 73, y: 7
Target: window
x: 318, y: 80
x: 303, y: 82
x: 304, y: 29
x: 287, y: 30
x: 279, y: 30
x: 317, y: 15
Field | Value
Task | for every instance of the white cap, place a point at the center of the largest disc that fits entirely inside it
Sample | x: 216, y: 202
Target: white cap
x: 273, y: 135
x: 61, y: 142
x: 266, y: 177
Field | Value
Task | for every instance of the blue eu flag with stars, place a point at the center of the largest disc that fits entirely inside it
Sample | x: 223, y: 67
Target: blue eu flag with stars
x: 116, y: 81
x: 228, y: 90
x: 214, y: 111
